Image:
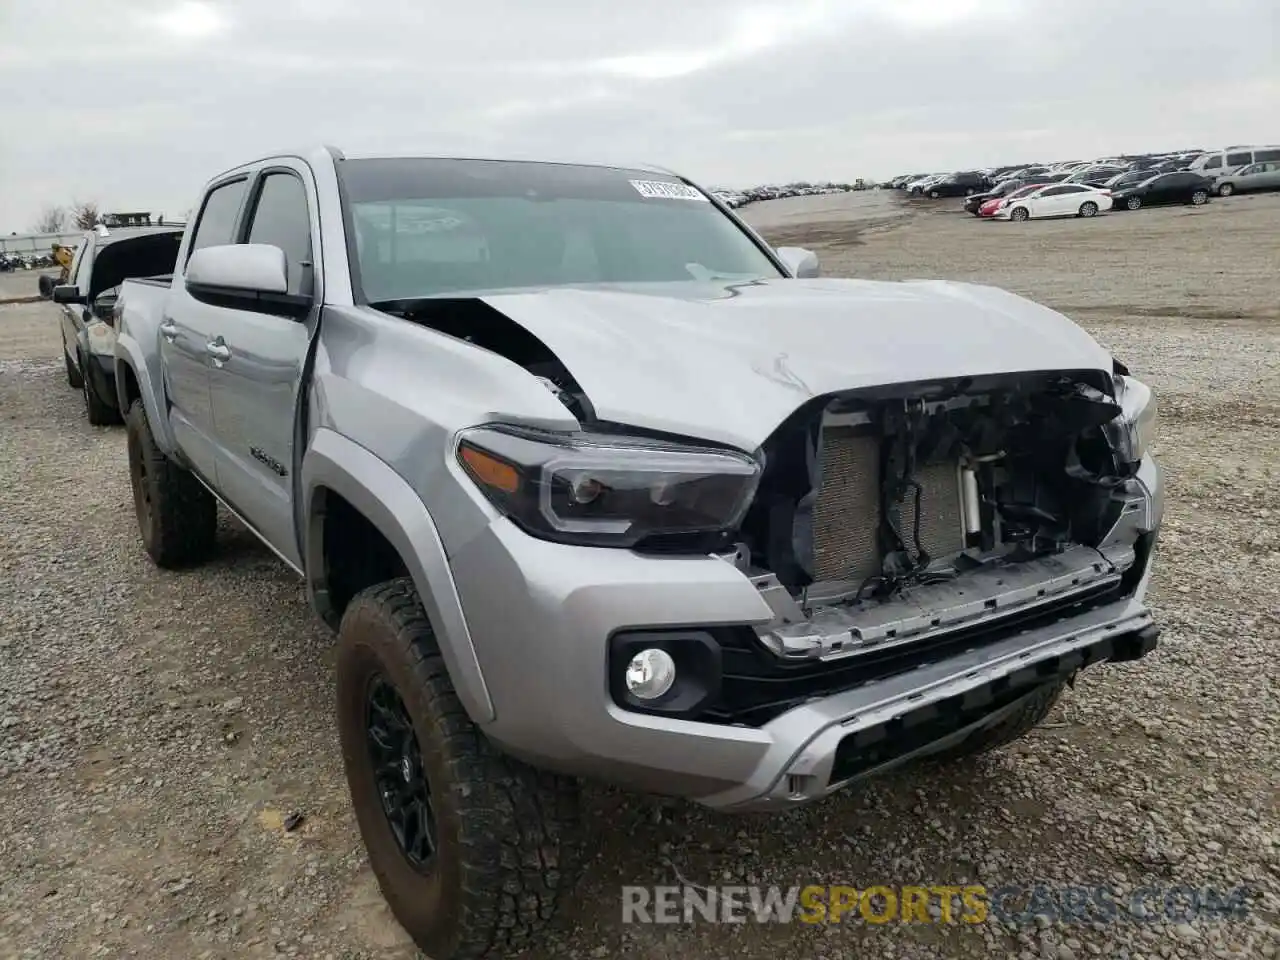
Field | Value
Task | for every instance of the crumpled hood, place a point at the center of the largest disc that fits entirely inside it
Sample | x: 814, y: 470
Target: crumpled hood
x: 729, y: 361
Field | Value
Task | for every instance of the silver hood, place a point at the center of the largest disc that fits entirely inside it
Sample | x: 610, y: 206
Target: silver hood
x: 728, y: 362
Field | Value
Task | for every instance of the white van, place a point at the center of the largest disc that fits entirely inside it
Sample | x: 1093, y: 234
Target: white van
x: 1221, y: 162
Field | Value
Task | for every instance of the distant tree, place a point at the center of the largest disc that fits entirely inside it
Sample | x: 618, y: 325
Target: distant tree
x: 52, y: 219
x: 85, y: 213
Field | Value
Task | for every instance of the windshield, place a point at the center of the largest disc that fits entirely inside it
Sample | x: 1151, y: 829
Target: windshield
x: 422, y: 227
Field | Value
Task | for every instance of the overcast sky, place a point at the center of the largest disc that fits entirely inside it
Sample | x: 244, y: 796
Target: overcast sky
x: 135, y: 103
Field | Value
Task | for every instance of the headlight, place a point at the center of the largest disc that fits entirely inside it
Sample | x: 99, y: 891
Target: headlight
x: 1133, y: 431
x: 605, y: 490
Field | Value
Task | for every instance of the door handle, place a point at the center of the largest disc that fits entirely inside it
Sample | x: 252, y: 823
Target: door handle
x: 169, y: 330
x: 218, y: 349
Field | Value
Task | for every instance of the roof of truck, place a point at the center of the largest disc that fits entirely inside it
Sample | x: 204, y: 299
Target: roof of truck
x: 314, y: 152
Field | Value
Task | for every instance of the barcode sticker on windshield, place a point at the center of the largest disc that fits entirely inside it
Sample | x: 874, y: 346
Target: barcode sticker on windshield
x: 666, y: 190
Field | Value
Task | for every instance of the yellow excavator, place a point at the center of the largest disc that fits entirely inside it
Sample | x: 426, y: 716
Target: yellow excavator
x: 63, y: 256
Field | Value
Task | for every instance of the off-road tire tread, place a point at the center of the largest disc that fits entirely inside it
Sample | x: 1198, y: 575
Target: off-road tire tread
x: 184, y: 513
x: 519, y: 824
x: 1013, y: 727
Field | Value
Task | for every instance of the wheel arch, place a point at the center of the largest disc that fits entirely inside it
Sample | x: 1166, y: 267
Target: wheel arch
x: 134, y: 381
x: 353, y: 499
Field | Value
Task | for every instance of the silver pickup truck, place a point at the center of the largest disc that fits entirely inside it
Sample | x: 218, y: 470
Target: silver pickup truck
x: 592, y: 482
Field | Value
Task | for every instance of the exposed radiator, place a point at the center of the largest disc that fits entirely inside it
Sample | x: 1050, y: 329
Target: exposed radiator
x: 847, y: 511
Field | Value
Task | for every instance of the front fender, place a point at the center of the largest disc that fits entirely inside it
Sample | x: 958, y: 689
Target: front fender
x: 132, y: 367
x: 392, y: 506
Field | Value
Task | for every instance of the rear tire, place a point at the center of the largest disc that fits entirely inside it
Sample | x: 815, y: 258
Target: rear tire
x: 177, y: 517
x: 1088, y: 209
x: 1013, y: 727
x: 1200, y: 198
x: 1226, y: 189
x: 933, y: 194
x: 1020, y: 214
x: 501, y: 834
x: 74, y: 380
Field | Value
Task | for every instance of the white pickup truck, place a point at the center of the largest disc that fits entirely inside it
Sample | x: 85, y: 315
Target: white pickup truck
x: 592, y: 482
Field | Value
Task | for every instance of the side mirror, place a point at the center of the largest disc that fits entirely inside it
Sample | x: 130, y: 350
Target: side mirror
x: 240, y: 267
x: 67, y: 293
x: 245, y: 276
x: 800, y: 263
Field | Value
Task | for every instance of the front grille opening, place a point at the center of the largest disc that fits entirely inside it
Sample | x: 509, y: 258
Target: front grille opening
x: 876, y: 488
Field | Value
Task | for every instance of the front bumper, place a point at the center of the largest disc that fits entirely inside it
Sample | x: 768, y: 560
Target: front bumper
x: 541, y: 615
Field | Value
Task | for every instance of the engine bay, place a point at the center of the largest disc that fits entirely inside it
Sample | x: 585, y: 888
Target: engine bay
x: 876, y: 492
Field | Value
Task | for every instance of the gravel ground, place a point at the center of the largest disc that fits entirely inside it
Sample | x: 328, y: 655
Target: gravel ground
x: 158, y: 730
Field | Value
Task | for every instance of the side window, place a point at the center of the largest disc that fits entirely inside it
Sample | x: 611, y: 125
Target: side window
x: 280, y: 218
x: 1214, y: 163
x: 1236, y: 159
x: 1072, y: 189
x: 218, y: 216
x: 1260, y: 155
x: 1055, y: 191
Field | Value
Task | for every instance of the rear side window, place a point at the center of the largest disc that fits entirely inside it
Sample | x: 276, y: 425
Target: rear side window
x: 1213, y: 163
x: 218, y: 216
x: 1260, y: 155
x: 1236, y: 159
x: 280, y: 218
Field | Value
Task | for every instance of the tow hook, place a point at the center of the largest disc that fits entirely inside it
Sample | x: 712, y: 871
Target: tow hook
x: 1135, y: 645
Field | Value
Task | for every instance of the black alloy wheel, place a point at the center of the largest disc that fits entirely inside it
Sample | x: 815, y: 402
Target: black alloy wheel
x: 399, y: 774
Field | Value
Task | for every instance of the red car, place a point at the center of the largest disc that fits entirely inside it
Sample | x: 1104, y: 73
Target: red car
x: 989, y: 208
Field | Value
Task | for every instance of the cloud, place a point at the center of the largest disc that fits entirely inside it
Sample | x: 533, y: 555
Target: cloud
x: 138, y: 102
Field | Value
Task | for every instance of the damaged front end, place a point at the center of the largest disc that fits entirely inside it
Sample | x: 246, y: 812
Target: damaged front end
x: 900, y: 515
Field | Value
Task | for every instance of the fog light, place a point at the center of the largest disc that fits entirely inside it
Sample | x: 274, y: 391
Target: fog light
x: 650, y: 674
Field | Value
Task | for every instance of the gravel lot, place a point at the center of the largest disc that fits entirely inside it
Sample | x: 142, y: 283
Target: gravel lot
x: 157, y: 729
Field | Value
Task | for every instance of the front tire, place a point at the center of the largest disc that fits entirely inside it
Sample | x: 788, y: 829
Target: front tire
x: 1199, y: 198
x: 1133, y: 203
x: 471, y: 848
x: 1226, y: 189
x: 177, y: 517
x: 1088, y: 209
x: 933, y: 194
x: 100, y: 413
x: 1020, y: 214
x: 74, y: 380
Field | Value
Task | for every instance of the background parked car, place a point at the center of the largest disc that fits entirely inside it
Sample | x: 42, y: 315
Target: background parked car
x: 1056, y: 200
x: 963, y: 184
x: 1002, y: 189
x: 1096, y: 175
x: 103, y: 261
x: 1256, y: 176
x: 1219, y: 163
x: 1128, y: 179
x: 1164, y: 188
x: 990, y: 208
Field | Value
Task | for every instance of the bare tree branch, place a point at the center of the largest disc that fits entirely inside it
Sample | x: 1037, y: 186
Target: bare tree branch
x: 85, y: 213
x: 52, y: 219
